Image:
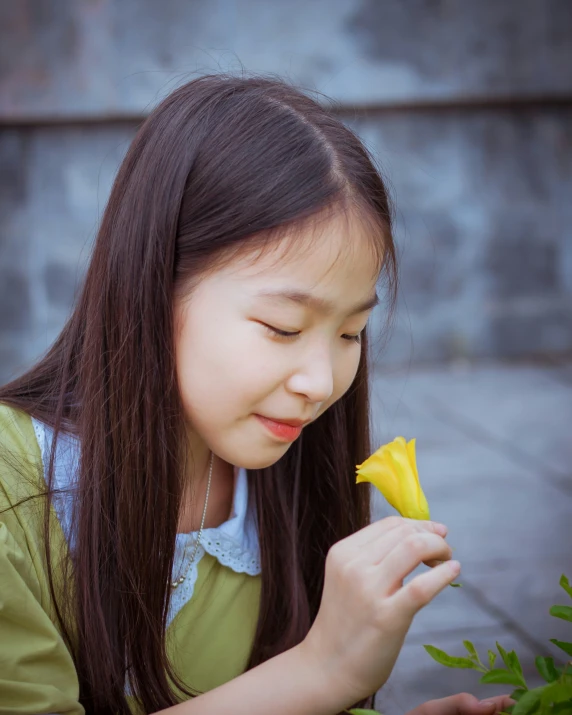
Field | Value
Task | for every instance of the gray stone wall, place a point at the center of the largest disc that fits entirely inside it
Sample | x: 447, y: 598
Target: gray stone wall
x: 466, y: 106
x: 484, y: 223
x: 104, y: 57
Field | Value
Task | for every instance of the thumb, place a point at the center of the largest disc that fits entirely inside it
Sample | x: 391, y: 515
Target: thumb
x: 460, y: 704
x: 496, y: 704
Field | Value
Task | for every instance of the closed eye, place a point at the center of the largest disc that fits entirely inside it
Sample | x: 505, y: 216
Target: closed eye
x: 289, y: 335
x: 353, y: 338
x: 281, y: 333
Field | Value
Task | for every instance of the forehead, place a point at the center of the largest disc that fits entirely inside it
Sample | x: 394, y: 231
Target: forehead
x: 325, y: 256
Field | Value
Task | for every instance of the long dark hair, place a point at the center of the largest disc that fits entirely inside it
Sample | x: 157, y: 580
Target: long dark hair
x: 220, y: 162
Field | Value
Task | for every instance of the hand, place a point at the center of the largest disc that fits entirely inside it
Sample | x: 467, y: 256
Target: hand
x: 366, y: 610
x: 463, y: 704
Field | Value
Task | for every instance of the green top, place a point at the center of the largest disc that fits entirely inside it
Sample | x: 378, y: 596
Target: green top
x: 208, y: 641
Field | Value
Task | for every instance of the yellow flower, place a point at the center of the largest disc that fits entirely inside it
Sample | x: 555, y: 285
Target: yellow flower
x: 393, y: 470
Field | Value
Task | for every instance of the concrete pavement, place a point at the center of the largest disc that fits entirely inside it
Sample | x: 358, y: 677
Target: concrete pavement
x: 494, y: 452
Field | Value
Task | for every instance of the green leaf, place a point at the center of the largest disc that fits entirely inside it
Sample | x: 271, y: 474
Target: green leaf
x: 450, y: 661
x: 518, y: 693
x: 547, y: 669
x: 471, y: 650
x: 492, y: 658
x: 562, y: 708
x: 529, y: 702
x: 501, y: 676
x: 503, y: 653
x: 556, y: 693
x: 563, y: 645
x: 566, y: 585
x: 564, y: 612
x: 515, y: 666
x: 563, y: 694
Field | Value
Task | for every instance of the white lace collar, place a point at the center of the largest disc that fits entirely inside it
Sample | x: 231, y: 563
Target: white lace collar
x: 234, y: 543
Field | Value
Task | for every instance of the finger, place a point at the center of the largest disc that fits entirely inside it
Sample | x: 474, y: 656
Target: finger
x: 460, y: 704
x: 501, y: 702
x: 433, y: 562
x: 407, y: 554
x: 374, y: 552
x: 416, y: 594
x: 416, y: 525
x: 403, y: 550
x: 372, y: 532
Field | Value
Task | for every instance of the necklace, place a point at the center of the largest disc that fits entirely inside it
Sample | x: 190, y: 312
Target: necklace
x: 183, y: 576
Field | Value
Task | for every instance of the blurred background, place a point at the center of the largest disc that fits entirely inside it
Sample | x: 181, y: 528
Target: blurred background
x: 467, y: 107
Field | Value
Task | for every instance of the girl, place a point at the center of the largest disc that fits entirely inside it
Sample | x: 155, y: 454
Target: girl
x: 179, y: 512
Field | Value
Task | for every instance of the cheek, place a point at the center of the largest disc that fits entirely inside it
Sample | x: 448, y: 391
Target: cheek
x: 344, y: 375
x: 204, y: 370
x: 349, y: 370
x: 225, y: 372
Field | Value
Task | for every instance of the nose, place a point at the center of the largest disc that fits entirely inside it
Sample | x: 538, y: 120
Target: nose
x: 314, y: 376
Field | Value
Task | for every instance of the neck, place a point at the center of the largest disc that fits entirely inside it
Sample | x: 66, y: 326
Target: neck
x: 220, y: 498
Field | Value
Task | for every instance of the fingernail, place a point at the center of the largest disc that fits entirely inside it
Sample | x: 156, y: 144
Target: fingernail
x: 486, y: 703
x: 455, y: 567
x: 440, y: 528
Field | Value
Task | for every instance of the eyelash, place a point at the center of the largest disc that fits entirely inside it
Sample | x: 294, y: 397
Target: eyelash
x: 285, y: 334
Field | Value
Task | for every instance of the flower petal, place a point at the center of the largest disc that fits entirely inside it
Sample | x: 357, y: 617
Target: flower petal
x: 393, y: 470
x: 379, y: 472
x: 421, y: 500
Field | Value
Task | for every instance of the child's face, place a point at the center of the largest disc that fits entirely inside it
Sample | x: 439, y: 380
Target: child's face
x: 232, y: 369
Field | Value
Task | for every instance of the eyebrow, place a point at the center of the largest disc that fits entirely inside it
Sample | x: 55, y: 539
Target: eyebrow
x: 319, y: 305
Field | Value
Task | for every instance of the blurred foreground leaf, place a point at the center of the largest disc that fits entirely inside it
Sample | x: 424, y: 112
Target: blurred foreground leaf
x: 450, y: 661
x: 529, y: 702
x: 556, y: 693
x: 499, y: 675
x: 563, y: 645
x: 564, y: 612
x: 471, y: 650
x: 566, y: 585
x: 547, y: 669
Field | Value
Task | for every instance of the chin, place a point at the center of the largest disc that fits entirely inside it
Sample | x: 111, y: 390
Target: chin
x: 261, y: 461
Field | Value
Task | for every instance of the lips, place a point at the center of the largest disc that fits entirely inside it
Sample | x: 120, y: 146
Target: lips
x: 286, y: 431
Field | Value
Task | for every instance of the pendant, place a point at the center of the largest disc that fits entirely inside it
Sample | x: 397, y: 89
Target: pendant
x: 178, y: 582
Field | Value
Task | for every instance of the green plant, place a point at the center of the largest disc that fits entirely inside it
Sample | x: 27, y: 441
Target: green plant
x: 553, y: 698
